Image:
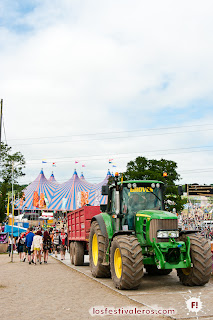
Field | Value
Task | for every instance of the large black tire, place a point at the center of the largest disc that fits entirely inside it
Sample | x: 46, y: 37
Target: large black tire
x: 201, y: 256
x: 130, y: 272
x: 154, y: 271
x: 78, y: 255
x: 96, y: 262
x: 72, y: 252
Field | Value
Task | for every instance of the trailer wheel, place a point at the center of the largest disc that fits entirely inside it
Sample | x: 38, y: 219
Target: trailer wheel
x: 78, y: 254
x: 97, y: 244
x: 72, y: 252
x: 126, y: 262
x: 152, y: 270
x: 201, y: 257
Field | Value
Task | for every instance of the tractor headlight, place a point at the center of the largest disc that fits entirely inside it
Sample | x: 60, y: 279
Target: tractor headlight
x: 162, y: 234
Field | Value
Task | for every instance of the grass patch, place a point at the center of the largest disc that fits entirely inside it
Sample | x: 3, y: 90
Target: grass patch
x: 2, y: 287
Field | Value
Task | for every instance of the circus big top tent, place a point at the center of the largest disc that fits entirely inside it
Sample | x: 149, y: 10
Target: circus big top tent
x: 43, y: 194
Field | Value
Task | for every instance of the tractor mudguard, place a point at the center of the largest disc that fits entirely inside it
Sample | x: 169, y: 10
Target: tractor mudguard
x: 105, y: 224
x: 122, y: 232
x: 101, y: 223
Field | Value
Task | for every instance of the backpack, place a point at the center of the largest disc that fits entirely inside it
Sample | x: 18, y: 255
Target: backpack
x: 22, y: 241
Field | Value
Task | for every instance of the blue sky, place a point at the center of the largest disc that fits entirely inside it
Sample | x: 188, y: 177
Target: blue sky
x: 77, y: 67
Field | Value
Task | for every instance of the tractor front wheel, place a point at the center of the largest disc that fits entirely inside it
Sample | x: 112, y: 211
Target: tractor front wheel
x: 201, y: 257
x: 97, y: 245
x: 126, y: 262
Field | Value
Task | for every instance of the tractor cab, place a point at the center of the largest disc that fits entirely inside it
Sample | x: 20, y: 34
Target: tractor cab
x: 134, y: 196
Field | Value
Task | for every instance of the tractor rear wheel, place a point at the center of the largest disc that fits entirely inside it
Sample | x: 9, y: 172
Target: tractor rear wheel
x: 200, y: 252
x: 72, y: 252
x: 78, y: 254
x: 97, y: 244
x: 126, y: 262
x: 154, y: 271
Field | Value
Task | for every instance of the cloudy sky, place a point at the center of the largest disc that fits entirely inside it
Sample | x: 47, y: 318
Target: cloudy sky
x: 95, y: 80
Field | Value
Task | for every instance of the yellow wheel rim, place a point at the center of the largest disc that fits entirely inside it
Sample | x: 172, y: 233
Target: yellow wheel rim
x: 118, y: 263
x: 95, y: 249
x: 186, y: 271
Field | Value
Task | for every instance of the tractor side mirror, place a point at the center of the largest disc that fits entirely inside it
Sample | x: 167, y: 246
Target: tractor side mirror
x: 180, y: 190
x: 105, y: 190
x: 103, y: 207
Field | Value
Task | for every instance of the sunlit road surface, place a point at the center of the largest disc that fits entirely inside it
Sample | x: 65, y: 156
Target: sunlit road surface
x: 164, y: 292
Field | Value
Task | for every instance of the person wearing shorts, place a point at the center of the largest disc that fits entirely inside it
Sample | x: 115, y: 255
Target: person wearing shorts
x: 37, y: 246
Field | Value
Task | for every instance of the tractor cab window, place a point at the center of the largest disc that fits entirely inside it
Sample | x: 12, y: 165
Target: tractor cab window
x: 140, y: 198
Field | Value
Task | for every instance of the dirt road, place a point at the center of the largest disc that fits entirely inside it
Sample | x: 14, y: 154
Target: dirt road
x: 55, y: 291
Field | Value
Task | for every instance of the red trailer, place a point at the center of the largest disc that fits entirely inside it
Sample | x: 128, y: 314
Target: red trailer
x: 79, y: 222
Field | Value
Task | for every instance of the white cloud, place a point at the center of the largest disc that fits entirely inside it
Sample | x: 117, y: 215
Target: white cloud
x: 86, y: 67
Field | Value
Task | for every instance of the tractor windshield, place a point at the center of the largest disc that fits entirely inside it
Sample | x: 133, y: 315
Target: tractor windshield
x: 140, y: 198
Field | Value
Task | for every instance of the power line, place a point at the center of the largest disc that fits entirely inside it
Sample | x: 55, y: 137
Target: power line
x: 116, y: 132
x: 122, y: 155
x: 108, y: 138
x: 198, y: 170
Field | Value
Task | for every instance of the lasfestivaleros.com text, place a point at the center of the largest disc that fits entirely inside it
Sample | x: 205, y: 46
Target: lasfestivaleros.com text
x: 130, y: 311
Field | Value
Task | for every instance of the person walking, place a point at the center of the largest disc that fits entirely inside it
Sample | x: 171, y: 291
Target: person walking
x: 10, y: 245
x: 56, y: 243
x: 51, y: 233
x: 37, y: 246
x: 46, y: 245
x: 28, y: 243
x: 20, y: 246
x: 63, y: 243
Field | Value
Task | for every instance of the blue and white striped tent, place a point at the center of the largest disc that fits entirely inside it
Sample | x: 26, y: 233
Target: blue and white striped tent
x: 39, y: 185
x: 65, y: 196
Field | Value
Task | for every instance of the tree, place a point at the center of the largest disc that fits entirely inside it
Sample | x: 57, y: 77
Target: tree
x: 144, y: 169
x: 7, y: 161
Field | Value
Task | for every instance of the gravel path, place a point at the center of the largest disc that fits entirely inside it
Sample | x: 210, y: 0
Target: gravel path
x: 54, y: 291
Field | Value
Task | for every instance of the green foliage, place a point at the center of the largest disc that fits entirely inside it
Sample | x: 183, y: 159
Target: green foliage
x: 144, y: 169
x: 9, y: 160
x: 3, y: 201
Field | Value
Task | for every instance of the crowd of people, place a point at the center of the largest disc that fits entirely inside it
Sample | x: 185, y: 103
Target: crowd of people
x: 37, y: 243
x: 198, y: 224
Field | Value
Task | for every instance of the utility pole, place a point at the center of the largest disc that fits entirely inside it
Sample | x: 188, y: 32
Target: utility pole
x: 1, y: 125
x: 12, y: 238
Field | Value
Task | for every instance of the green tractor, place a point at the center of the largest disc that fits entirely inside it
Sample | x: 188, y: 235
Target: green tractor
x: 134, y: 232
